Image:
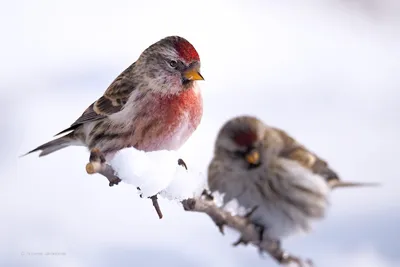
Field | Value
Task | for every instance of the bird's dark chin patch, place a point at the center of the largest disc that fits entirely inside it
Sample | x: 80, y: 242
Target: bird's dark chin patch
x: 186, y: 83
x: 253, y: 166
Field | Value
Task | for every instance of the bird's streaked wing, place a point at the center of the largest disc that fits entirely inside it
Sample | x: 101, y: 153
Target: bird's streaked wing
x: 297, y: 152
x: 113, y: 100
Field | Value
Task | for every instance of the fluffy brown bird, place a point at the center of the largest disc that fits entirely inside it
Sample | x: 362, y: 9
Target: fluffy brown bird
x: 262, y: 167
x: 155, y: 104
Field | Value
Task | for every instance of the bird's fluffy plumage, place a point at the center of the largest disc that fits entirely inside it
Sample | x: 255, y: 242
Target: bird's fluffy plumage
x: 284, y: 205
x: 154, y: 104
x: 287, y: 183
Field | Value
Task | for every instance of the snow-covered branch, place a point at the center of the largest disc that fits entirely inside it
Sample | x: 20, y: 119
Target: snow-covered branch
x: 159, y: 173
x: 163, y: 173
x: 248, y: 231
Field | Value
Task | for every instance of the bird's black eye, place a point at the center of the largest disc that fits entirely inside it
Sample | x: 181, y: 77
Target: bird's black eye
x: 173, y: 63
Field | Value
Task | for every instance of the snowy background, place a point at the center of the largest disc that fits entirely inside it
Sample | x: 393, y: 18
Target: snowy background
x: 326, y: 71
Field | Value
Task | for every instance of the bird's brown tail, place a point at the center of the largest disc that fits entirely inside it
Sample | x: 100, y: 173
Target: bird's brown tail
x: 54, y: 145
x: 338, y: 184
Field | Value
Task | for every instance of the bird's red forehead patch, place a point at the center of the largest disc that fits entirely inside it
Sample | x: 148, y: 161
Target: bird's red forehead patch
x: 245, y: 138
x: 186, y: 51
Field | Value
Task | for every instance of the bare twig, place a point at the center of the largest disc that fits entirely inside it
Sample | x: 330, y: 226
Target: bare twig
x: 98, y: 164
x: 249, y: 232
x: 156, y: 206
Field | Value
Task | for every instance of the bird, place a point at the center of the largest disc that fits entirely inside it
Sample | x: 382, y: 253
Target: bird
x: 264, y: 174
x: 154, y: 104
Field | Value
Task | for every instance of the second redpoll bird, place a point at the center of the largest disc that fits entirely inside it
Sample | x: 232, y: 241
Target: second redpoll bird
x: 263, y: 168
x: 155, y: 104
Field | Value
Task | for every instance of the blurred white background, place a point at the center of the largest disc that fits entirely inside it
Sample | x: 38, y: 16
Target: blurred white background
x: 326, y: 71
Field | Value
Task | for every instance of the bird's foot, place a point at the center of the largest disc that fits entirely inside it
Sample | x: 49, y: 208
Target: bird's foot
x: 220, y: 225
x: 113, y: 180
x: 219, y: 222
x: 97, y: 164
x: 207, y: 195
x: 240, y: 241
x: 259, y: 228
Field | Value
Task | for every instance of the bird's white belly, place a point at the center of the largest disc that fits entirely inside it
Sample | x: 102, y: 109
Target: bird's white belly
x: 271, y: 215
x: 280, y: 217
x: 277, y: 217
x: 180, y: 133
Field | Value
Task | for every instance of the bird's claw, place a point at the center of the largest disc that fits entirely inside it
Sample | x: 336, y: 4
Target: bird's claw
x: 113, y: 181
x: 220, y: 223
x: 207, y: 195
x: 241, y: 240
x: 96, y: 156
x: 221, y: 228
x: 260, y: 229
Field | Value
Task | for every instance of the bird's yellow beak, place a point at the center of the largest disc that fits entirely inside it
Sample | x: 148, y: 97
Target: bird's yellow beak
x: 193, y: 74
x: 253, y: 157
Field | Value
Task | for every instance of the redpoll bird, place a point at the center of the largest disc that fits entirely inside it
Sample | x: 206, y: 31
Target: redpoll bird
x: 265, y: 169
x: 155, y: 104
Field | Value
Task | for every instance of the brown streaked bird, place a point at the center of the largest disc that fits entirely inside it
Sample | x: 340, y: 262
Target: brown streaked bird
x: 155, y: 104
x: 262, y: 167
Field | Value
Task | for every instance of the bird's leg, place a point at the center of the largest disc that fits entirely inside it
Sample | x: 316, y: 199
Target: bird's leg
x: 260, y: 228
x: 97, y: 164
x: 207, y: 195
x: 219, y: 222
x: 240, y: 241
